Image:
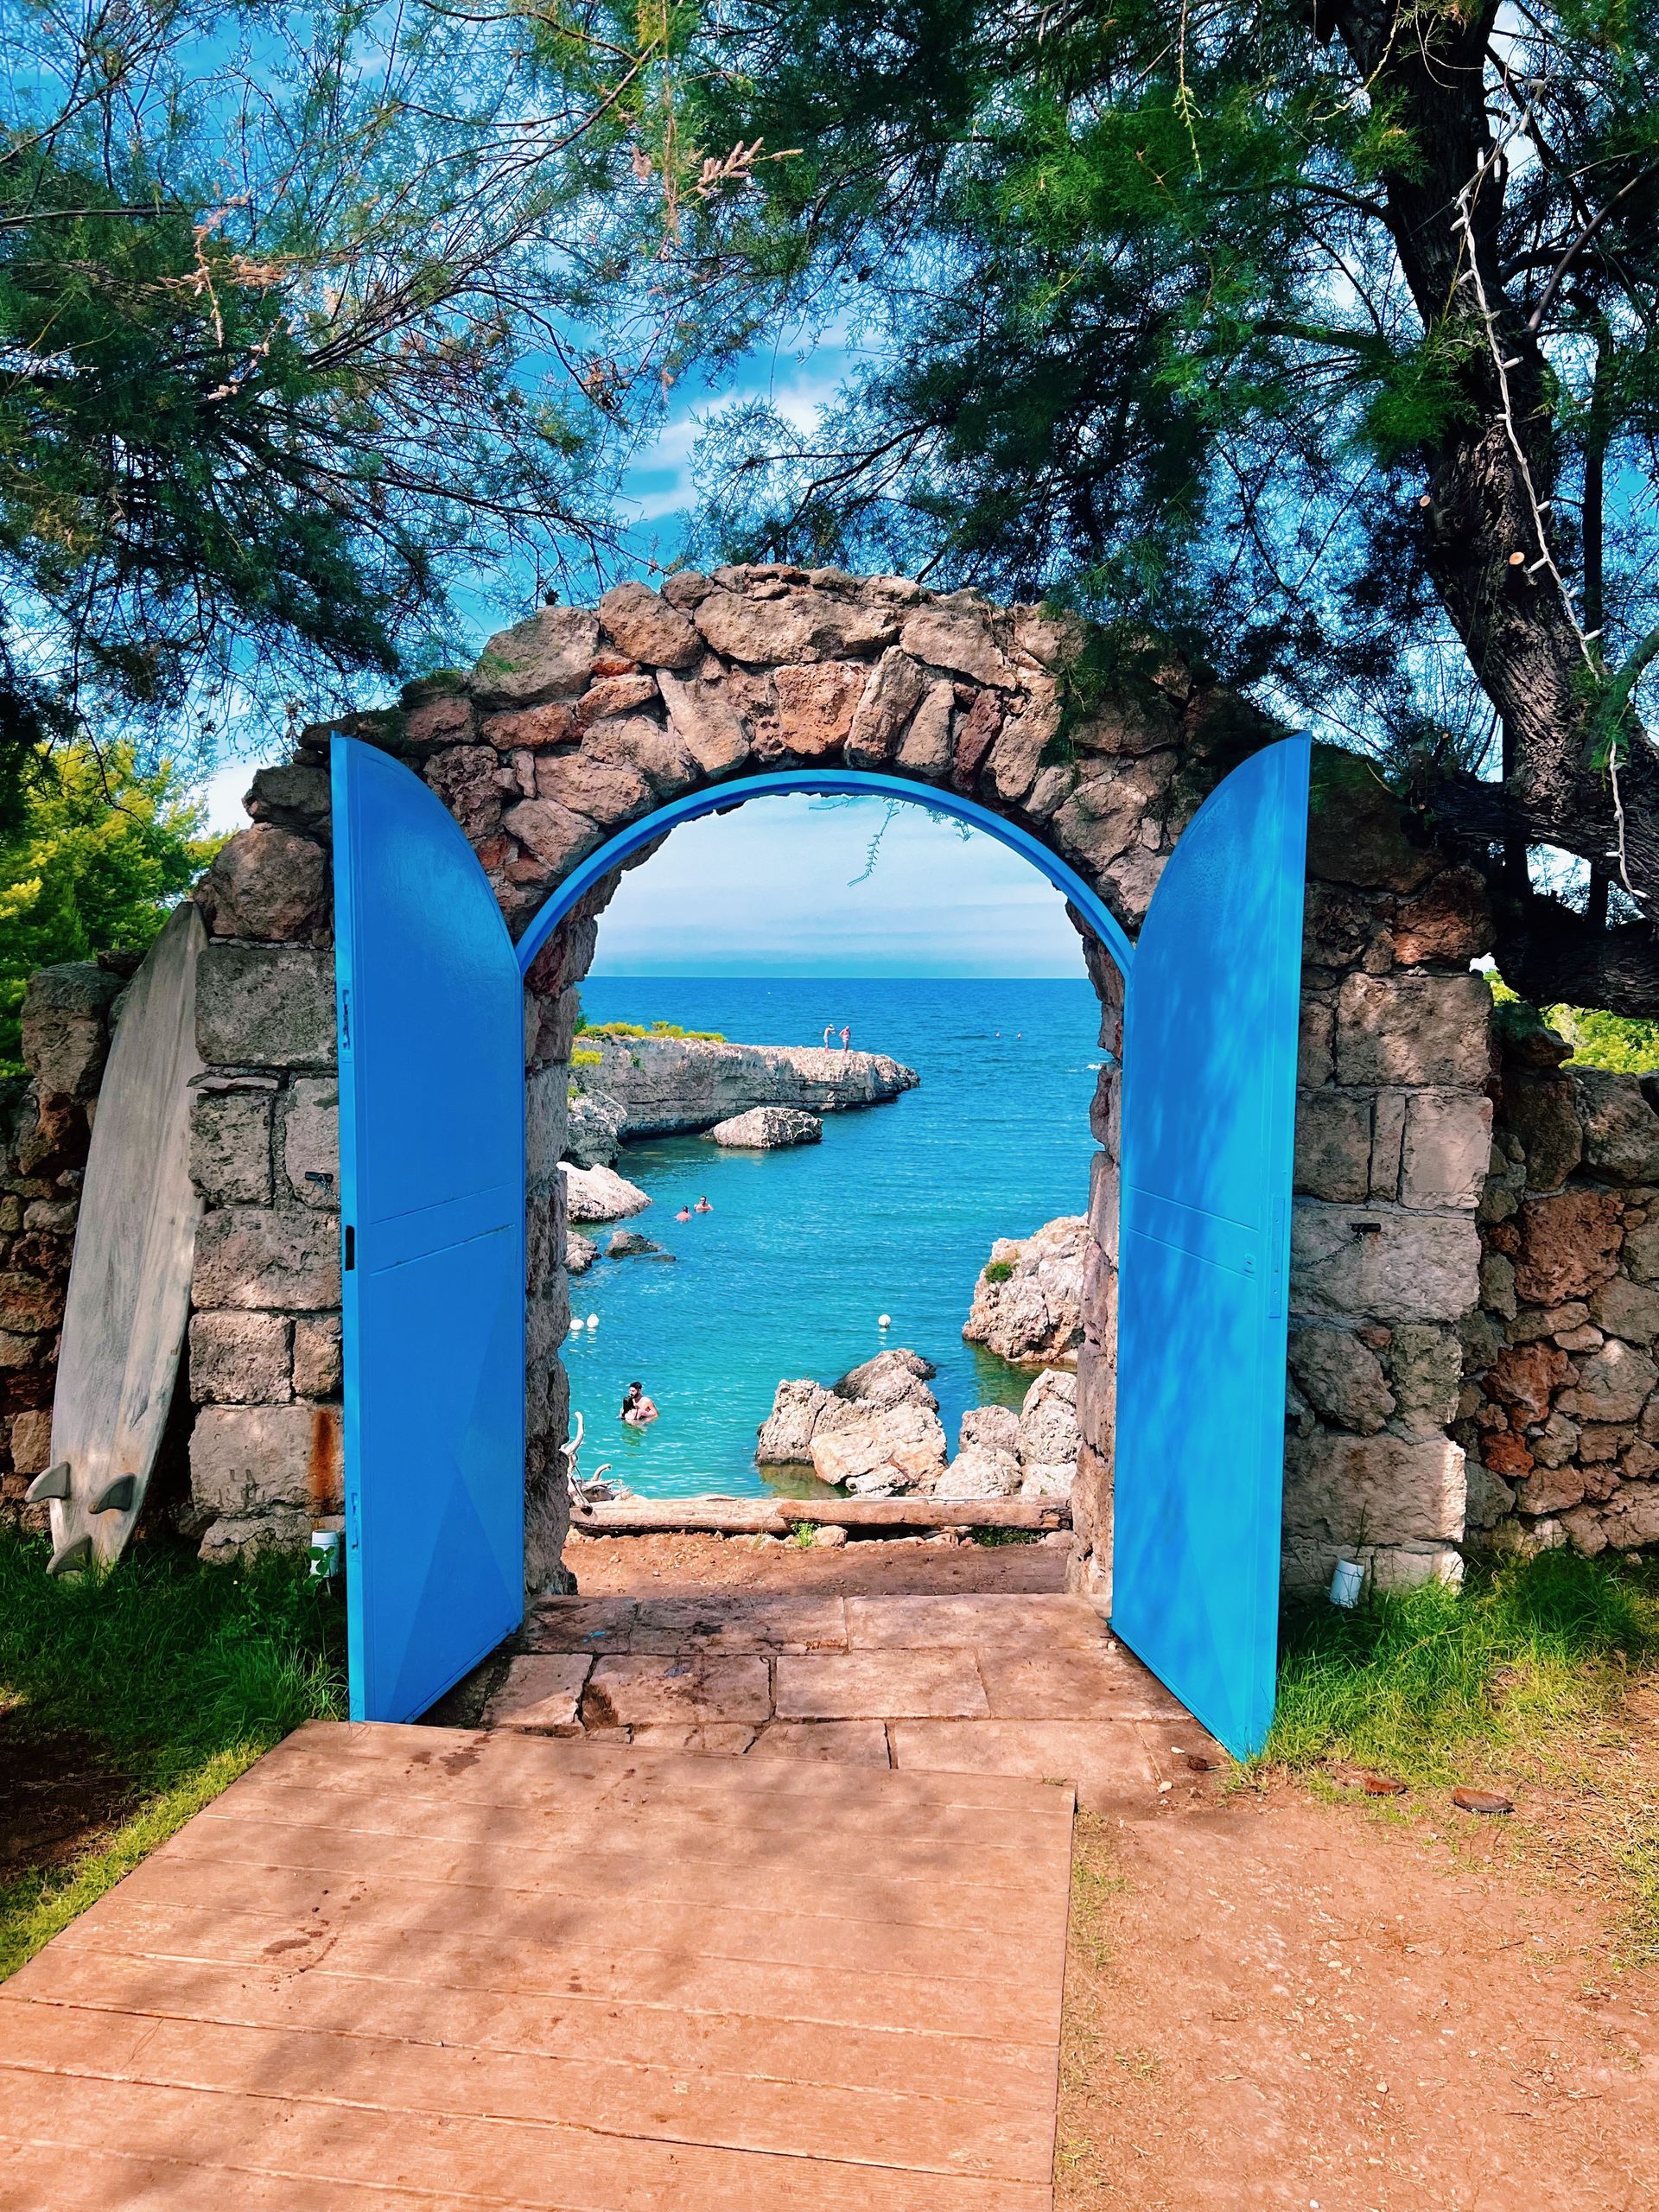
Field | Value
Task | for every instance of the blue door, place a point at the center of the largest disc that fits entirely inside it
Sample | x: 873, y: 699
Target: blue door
x: 1209, y: 1120
x: 432, y: 1207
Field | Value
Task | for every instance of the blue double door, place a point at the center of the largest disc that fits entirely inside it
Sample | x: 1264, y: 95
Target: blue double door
x: 432, y: 1180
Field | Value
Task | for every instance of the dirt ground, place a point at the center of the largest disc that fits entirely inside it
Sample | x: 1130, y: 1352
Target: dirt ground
x: 1275, y: 2000
x: 58, y: 1795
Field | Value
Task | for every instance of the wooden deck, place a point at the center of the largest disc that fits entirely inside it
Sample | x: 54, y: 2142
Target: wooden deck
x: 394, y: 1969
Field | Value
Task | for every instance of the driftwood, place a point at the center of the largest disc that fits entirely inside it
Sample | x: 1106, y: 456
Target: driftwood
x: 776, y: 1516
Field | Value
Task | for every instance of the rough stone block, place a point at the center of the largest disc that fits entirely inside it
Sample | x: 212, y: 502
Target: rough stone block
x: 1540, y: 1108
x: 1613, y: 1384
x: 1621, y: 1130
x: 553, y: 652
x: 241, y: 1536
x: 230, y: 1147
x: 814, y: 708
x: 1448, y: 1142
x: 267, y: 1259
x: 65, y: 1026
x: 264, y: 1005
x: 1414, y: 1029
x: 1333, y: 1145
x: 1641, y: 1254
x: 1399, y: 1267
x: 268, y: 883
x: 647, y: 629
x: 1569, y: 1245
x: 1447, y: 922
x: 1316, y: 1043
x: 246, y: 1459
x: 31, y: 1441
x: 311, y: 1141
x: 239, y: 1359
x: 317, y: 1370
x: 1627, y: 1309
x: 557, y: 836
x: 1341, y: 1377
x: 604, y: 791
x: 1375, y: 1490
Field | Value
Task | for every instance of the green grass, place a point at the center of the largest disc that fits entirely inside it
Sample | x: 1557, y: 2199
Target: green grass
x: 997, y: 1270
x: 625, y: 1029
x: 180, y: 1674
x: 993, y: 1537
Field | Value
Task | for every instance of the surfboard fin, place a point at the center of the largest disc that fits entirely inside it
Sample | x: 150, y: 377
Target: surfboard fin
x: 116, y: 1496
x: 73, y: 1555
x: 54, y: 1483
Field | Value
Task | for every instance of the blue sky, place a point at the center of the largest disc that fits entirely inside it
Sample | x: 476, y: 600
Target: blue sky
x: 769, y: 890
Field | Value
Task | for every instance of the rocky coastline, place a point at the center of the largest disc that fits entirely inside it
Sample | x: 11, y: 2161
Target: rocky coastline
x: 627, y: 1087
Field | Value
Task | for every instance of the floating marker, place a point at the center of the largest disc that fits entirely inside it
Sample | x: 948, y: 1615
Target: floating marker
x: 118, y: 1496
x: 884, y: 1321
x: 593, y: 1320
x: 71, y: 1556
x: 54, y: 1483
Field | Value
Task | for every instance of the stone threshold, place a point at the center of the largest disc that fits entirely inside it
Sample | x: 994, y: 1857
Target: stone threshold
x: 764, y: 1516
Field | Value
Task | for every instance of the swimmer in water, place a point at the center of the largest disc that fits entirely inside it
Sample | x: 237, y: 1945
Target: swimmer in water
x: 702, y: 1206
x: 685, y: 1214
x: 637, y: 1408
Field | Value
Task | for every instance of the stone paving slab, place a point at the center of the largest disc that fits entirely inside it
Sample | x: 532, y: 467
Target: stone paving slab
x: 878, y: 1685
x: 864, y: 1742
x: 1106, y: 1760
x: 663, y: 1687
x: 979, y: 1621
x: 541, y: 1690
x: 283, y: 2012
x: 741, y: 1622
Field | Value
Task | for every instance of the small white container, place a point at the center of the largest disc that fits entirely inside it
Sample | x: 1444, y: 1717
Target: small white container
x: 1347, y: 1583
x: 325, y: 1554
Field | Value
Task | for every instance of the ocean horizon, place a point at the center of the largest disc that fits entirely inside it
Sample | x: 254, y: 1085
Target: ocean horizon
x: 895, y: 1212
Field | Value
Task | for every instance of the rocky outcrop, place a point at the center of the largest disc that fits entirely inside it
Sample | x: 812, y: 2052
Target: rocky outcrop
x: 767, y: 1129
x: 1031, y: 1453
x: 580, y: 1252
x: 679, y: 1086
x: 1028, y: 1301
x: 601, y: 1194
x: 629, y: 1244
x: 874, y: 1433
x: 593, y: 1128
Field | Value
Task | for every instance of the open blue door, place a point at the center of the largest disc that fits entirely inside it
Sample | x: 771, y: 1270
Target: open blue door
x: 432, y: 1209
x: 1209, y: 1123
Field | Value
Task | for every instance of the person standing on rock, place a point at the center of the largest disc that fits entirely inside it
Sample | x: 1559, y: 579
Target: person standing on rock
x: 845, y: 1038
x: 829, y: 1035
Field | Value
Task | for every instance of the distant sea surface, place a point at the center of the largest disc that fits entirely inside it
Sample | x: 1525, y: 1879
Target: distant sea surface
x: 894, y: 1213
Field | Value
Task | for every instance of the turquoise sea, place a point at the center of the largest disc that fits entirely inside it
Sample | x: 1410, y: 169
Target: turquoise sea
x: 894, y: 1213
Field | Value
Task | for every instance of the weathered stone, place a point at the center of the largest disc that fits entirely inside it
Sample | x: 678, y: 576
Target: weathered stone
x: 1613, y: 1384
x: 317, y: 1356
x: 292, y: 794
x: 66, y: 1026
x: 1627, y: 1309
x: 765, y: 1129
x: 558, y: 837
x: 1333, y: 1145
x: 687, y: 588
x: 255, y: 1257
x: 230, y: 1146
x: 606, y: 791
x: 647, y: 629
x: 529, y: 728
x: 895, y: 1377
x: 311, y: 1140
x: 798, y: 1406
x: 236, y: 1538
x: 1569, y: 1245
x: 600, y: 1194
x: 239, y: 1359
x: 1448, y: 922
x: 980, y: 1471
x: 30, y: 1442
x: 612, y: 696
x: 1049, y: 1434
x: 1541, y: 1109
x: 580, y: 1252
x: 1341, y: 1378
x: 925, y: 747
x: 894, y: 692
x: 1639, y: 1461
x: 1556, y: 1442
x: 973, y: 735
x: 1498, y: 1285
x: 244, y: 1459
x: 991, y: 1428
x: 1448, y: 1141
x: 591, y: 1129
x: 1357, y: 832
x: 1527, y: 1377
x: 1425, y: 1370
x: 816, y: 706
x: 1408, y: 1267
x: 704, y: 728
x: 1347, y: 1489
x: 1018, y: 753
x: 959, y: 638
x: 266, y: 883
x: 907, y: 1439
x: 553, y: 652
x: 1621, y: 1130
x: 52, y: 1217
x: 1631, y: 1519
x: 1105, y: 814
x: 469, y: 780
x: 1550, y: 1490
x: 1414, y: 1029
x: 264, y: 1005
x: 1027, y: 1303
x: 1600, y: 1442
x: 629, y: 1244
x: 800, y: 625
x: 1641, y: 1254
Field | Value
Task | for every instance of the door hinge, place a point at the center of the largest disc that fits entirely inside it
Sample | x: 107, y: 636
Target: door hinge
x: 350, y: 1258
x: 345, y: 1021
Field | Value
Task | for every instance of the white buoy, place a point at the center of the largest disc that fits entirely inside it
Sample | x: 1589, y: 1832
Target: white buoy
x: 575, y: 1327
x: 884, y: 1321
x: 593, y: 1320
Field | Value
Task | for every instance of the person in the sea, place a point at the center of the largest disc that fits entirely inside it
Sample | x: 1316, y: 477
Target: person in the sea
x: 702, y: 1206
x: 685, y: 1214
x: 845, y: 1038
x: 637, y: 1408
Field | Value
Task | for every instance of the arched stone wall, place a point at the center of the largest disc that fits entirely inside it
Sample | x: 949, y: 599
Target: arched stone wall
x: 582, y: 720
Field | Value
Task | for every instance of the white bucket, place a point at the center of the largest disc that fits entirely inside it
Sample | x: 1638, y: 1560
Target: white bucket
x: 325, y: 1554
x: 1347, y: 1582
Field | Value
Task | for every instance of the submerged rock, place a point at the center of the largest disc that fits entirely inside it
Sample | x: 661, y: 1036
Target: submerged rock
x: 600, y: 1194
x: 767, y: 1129
x: 580, y: 1252
x: 629, y: 1244
x: 1028, y: 1301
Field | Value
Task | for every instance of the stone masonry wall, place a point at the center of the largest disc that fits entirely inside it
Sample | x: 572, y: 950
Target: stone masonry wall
x: 1559, y: 1410
x: 581, y: 720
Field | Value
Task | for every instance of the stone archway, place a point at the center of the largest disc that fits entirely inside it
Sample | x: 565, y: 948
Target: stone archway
x: 579, y: 719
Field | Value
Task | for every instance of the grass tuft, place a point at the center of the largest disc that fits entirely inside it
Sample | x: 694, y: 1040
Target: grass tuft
x: 180, y: 1674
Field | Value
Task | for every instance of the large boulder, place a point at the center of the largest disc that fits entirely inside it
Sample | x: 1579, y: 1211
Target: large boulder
x: 580, y: 1252
x: 593, y: 1129
x: 1028, y: 1301
x: 601, y: 1194
x: 980, y: 1471
x: 898, y: 1376
x: 876, y: 1432
x: 993, y: 1428
x: 1048, y: 1438
x: 766, y: 1128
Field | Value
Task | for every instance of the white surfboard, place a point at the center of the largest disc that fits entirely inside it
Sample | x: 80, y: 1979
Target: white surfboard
x: 128, y: 1298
